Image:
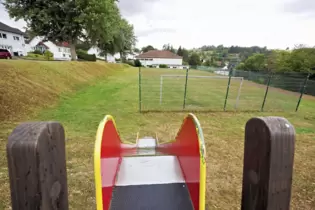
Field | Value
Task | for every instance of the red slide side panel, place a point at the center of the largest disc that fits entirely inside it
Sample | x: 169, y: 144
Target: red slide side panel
x: 110, y: 161
x: 186, y: 148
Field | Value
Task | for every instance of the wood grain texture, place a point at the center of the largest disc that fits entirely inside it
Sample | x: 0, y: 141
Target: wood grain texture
x: 268, y: 164
x: 37, y: 167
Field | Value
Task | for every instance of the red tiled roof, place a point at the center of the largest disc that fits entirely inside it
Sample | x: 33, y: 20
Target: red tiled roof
x: 159, y: 54
x: 62, y: 44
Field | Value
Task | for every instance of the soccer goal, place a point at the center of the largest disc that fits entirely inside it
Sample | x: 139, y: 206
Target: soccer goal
x: 202, y: 78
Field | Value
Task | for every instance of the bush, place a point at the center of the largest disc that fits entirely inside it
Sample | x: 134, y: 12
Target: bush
x: 38, y: 52
x: 163, y: 66
x: 138, y: 63
x: 34, y: 56
x: 131, y: 63
x: 49, y: 55
x: 84, y: 56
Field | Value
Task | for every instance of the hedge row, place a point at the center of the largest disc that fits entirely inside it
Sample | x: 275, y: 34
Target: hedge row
x: 84, y: 56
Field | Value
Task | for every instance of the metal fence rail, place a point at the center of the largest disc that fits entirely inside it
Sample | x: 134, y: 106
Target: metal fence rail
x: 217, y: 90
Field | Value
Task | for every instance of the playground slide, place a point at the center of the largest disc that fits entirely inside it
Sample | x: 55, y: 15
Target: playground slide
x: 149, y: 175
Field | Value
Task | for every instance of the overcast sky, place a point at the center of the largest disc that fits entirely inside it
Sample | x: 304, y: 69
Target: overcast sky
x: 193, y: 23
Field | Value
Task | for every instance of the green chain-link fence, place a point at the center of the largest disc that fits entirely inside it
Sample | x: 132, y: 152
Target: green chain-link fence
x: 211, y: 89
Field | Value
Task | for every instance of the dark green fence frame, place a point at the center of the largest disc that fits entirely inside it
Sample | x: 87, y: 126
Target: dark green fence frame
x: 234, y: 73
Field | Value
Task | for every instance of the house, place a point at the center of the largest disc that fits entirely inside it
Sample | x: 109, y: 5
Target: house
x: 61, y: 50
x: 154, y: 58
x: 12, y: 39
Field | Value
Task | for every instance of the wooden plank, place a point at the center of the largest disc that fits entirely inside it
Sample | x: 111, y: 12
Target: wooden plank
x: 268, y: 164
x: 37, y: 167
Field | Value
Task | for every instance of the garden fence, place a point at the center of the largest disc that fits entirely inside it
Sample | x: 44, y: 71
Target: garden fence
x: 214, y: 89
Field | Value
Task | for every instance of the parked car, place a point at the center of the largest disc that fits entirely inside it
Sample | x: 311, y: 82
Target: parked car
x: 5, y: 54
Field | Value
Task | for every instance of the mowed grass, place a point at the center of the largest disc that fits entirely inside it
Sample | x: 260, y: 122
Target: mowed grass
x: 117, y: 95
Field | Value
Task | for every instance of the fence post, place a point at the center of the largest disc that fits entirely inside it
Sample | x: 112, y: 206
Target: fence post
x: 302, y: 92
x: 37, y: 166
x: 185, y: 93
x: 227, y: 90
x: 266, y: 93
x: 268, y: 164
x: 140, y: 99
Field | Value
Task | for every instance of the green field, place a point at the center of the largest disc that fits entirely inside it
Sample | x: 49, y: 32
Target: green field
x: 208, y: 94
x: 117, y: 94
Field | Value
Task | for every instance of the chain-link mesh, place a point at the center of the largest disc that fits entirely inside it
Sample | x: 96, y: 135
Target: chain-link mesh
x: 206, y: 89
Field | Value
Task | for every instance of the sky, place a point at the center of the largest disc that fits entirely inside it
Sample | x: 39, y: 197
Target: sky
x: 277, y: 24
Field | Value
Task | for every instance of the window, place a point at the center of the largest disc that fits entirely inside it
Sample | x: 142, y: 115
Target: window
x: 4, y: 36
x: 16, y: 38
x: 59, y: 49
x: 0, y: 35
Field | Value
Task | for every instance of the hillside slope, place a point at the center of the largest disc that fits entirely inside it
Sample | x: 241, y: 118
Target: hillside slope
x: 28, y: 85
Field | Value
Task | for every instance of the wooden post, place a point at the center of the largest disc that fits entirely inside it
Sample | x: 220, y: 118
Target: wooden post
x: 268, y: 164
x: 37, y: 167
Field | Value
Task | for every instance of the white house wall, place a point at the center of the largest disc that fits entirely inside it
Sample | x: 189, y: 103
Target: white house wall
x: 11, y: 44
x: 60, y: 53
x: 158, y: 61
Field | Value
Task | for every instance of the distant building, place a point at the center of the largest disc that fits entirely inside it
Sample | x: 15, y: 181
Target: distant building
x: 61, y: 50
x: 12, y: 39
x: 154, y: 58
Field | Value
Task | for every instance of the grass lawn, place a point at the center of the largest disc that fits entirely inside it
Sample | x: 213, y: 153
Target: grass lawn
x: 117, y: 95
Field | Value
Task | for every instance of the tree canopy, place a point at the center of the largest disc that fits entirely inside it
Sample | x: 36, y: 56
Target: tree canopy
x: 194, y: 59
x: 68, y: 20
x: 297, y: 60
x: 147, y: 48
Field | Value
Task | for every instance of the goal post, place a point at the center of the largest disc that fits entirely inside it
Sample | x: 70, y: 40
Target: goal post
x: 241, y: 79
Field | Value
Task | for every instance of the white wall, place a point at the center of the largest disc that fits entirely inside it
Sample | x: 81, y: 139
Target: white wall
x: 11, y: 44
x: 60, y: 53
x: 158, y: 61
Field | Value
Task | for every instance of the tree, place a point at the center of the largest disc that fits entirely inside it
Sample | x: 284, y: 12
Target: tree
x: 302, y: 59
x: 61, y: 21
x: 169, y: 47
x: 147, y: 48
x: 256, y: 62
x: 123, y: 40
x: 185, y: 55
x: 208, y: 63
x: 180, y: 51
x: 194, y: 59
x: 137, y: 50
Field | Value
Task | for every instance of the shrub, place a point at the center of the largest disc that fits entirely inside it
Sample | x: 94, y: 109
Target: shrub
x: 163, y: 66
x: 131, y: 63
x: 48, y: 55
x: 38, y: 52
x: 34, y: 56
x: 84, y: 56
x: 138, y: 63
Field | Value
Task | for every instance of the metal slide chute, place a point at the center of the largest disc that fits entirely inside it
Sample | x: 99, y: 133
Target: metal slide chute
x: 149, y: 175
